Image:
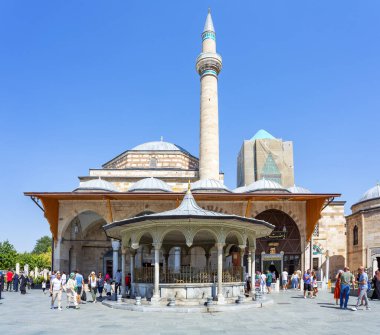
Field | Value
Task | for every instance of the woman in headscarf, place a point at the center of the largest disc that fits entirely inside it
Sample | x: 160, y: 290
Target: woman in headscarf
x: 376, y: 285
x: 337, y: 287
x: 93, y: 285
x: 23, y: 282
x: 70, y: 291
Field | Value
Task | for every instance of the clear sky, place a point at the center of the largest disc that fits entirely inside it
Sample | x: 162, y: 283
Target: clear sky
x: 82, y: 81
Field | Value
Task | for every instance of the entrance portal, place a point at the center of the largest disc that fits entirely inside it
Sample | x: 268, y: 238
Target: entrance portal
x: 285, y: 239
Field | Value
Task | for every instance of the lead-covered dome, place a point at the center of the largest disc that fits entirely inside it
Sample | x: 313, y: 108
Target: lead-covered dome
x: 96, y: 185
x: 158, y: 146
x: 372, y: 193
x: 208, y: 185
x: 262, y: 185
x: 150, y: 185
x: 298, y: 189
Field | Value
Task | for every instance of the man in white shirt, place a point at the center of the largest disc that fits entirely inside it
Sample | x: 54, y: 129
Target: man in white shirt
x: 284, y: 279
x: 263, y: 279
x: 56, y: 291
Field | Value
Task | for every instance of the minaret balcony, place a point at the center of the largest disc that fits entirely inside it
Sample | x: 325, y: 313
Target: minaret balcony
x: 209, y: 61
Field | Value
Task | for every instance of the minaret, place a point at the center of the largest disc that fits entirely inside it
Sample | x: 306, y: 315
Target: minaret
x: 208, y: 65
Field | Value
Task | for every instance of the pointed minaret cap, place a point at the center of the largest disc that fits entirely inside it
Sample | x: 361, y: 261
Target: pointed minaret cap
x: 209, y: 26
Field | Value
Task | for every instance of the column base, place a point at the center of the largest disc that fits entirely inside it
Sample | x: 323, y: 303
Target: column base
x: 220, y: 299
x: 155, y: 299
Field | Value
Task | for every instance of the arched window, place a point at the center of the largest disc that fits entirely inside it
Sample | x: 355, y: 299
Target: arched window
x: 356, y: 235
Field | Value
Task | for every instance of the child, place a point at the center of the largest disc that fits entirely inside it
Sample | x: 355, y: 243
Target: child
x: 315, y: 285
x: 44, y: 286
x: 108, y: 288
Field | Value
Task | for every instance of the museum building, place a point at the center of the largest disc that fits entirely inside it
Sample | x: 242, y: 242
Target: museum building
x: 112, y: 219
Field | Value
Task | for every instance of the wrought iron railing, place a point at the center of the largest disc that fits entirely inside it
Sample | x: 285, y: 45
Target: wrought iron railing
x: 188, y: 275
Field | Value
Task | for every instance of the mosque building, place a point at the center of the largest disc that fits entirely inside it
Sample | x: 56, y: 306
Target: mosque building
x: 309, y: 229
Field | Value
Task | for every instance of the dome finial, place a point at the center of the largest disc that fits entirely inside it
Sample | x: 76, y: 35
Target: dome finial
x: 209, y: 10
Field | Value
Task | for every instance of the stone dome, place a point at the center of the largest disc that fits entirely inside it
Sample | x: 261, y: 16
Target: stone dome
x: 262, y: 185
x: 150, y: 185
x: 298, y: 189
x: 158, y: 146
x: 96, y: 185
x: 210, y: 185
x: 372, y: 193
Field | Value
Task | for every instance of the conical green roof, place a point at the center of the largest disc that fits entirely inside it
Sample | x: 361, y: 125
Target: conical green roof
x: 262, y: 134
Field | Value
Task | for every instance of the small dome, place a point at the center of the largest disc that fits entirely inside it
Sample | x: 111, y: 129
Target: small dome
x: 298, y: 189
x: 372, y: 193
x: 96, y: 185
x: 158, y: 146
x: 241, y: 189
x: 210, y: 185
x: 150, y: 185
x: 262, y: 185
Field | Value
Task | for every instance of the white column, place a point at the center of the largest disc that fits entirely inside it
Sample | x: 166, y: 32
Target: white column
x: 123, y: 252
x: 249, y: 264
x: 177, y: 259
x: 156, y: 292
x: 220, y: 296
x: 115, y: 259
x: 253, y: 263
x: 132, y: 253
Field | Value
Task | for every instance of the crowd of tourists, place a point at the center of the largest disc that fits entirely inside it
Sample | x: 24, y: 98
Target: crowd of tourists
x: 345, y: 279
x: 14, y: 282
x: 75, y: 287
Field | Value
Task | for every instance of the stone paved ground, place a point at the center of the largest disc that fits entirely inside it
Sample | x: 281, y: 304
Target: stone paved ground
x: 290, y: 314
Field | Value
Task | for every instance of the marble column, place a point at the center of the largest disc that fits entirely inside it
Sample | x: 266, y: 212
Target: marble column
x: 207, y: 255
x: 327, y: 266
x: 249, y: 261
x: 177, y: 259
x: 156, y: 292
x: 220, y: 296
x: 115, y: 259
x: 123, y: 274
x: 132, y: 253
x: 253, y: 263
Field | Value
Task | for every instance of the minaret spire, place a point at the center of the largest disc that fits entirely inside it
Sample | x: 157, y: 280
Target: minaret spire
x: 208, y: 65
x: 209, y: 25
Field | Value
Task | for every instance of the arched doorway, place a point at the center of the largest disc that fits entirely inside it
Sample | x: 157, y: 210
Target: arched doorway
x: 282, y: 248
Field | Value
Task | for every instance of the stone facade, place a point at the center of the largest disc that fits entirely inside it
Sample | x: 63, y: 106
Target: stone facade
x: 364, y: 222
x: 329, y: 239
x: 271, y: 159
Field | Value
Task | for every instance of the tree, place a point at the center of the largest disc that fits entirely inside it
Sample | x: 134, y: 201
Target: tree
x: 8, y: 255
x: 43, y: 245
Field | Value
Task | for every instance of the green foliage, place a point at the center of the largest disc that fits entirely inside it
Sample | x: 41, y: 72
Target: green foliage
x: 34, y: 260
x: 41, y: 259
x: 8, y: 255
x: 43, y: 245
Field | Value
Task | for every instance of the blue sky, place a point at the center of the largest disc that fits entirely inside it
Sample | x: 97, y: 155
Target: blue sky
x: 82, y: 81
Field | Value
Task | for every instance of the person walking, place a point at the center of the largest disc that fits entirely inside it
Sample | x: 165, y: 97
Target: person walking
x: 128, y: 284
x: 363, y: 286
x: 307, y: 284
x: 1, y: 283
x: 43, y: 285
x: 100, y: 285
x: 79, y: 285
x: 269, y: 279
x: 16, y: 279
x: 263, y: 280
x: 71, y: 295
x: 23, y: 283
x: 337, y: 287
x: 294, y: 280
x: 63, y: 280
x: 118, y: 281
x: 93, y: 285
x: 346, y: 279
x: 376, y: 285
x: 9, y: 280
x: 56, y: 291
x: 314, y: 284
x: 284, y: 279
